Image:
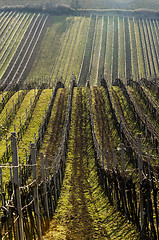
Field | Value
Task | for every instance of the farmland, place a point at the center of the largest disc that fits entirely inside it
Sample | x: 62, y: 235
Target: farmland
x: 104, y: 46
x: 81, y: 93
x: 20, y: 34
x: 118, y: 115
x: 82, y: 47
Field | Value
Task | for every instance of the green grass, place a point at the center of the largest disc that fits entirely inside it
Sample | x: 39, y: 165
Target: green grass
x: 141, y: 104
x: 115, y: 50
x: 156, y: 33
x: 37, y: 118
x: 153, y: 31
x: 103, y: 48
x: 109, y: 49
x: 54, y: 130
x: 148, y: 47
x: 144, y: 49
x: 126, y: 112
x: 121, y: 49
x: 70, y: 49
x: 13, y: 45
x: 80, y: 47
x: 9, y: 108
x: 103, y: 121
x: 139, y: 51
x: 84, y: 73
x: 2, y: 96
x: 49, y: 48
x: 8, y: 31
x: 134, y: 59
x: 154, y: 57
x: 21, y: 113
x: 97, y: 51
x: 64, y: 43
x: 83, y: 210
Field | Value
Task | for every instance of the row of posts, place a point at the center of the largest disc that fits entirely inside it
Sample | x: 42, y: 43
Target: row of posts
x: 16, y: 184
x: 140, y: 169
x: 16, y: 181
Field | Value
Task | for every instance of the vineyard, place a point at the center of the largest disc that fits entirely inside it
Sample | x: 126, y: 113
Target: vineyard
x: 97, y: 46
x: 110, y: 123
x: 79, y: 127
x: 19, y: 34
x: 87, y: 48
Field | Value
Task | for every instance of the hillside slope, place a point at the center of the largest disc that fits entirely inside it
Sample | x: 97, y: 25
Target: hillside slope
x: 83, y: 211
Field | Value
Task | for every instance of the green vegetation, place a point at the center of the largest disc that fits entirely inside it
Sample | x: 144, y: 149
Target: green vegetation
x: 96, y: 54
x: 82, y: 204
x: 12, y: 38
x: 134, y: 57
x: 20, y: 117
x: 85, y: 48
x: 9, y: 108
x: 105, y: 128
x: 125, y: 111
x: 121, y: 49
x: 109, y: 49
x: 36, y: 120
x: 46, y: 56
x: 53, y: 134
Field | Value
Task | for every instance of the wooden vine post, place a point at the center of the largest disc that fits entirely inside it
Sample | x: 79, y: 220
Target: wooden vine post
x: 122, y: 159
x: 49, y: 184
x: 55, y: 182
x: 44, y: 185
x: 36, y: 199
x: 16, y: 185
x: 114, y: 159
x: 140, y: 167
x: 103, y: 148
x: 2, y: 188
x: 107, y: 159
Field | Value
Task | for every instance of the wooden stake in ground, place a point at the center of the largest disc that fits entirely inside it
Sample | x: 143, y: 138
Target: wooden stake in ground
x: 107, y: 159
x: 2, y: 189
x: 122, y: 159
x: 36, y: 199
x: 16, y: 184
x: 140, y: 167
x: 114, y: 159
x: 49, y: 184
x: 44, y: 185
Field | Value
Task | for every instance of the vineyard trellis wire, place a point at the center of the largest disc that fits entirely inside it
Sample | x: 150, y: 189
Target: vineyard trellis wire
x: 121, y: 189
x: 150, y: 133
x: 30, y: 205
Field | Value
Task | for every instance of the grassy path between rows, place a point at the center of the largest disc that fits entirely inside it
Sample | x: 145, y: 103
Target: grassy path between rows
x: 83, y: 211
